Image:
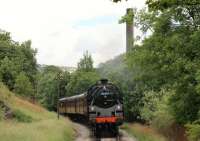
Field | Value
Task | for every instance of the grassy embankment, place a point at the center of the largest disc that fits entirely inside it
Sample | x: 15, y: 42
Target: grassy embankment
x: 143, y: 133
x: 30, y: 122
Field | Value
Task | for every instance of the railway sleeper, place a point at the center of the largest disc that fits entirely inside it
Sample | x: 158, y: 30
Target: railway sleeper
x: 105, y: 130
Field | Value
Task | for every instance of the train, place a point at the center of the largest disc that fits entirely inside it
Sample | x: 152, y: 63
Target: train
x: 101, y: 105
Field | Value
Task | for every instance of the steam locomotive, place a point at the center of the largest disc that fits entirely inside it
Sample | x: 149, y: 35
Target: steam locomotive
x: 101, y: 105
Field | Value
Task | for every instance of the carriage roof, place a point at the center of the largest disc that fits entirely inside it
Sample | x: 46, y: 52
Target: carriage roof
x: 73, y: 97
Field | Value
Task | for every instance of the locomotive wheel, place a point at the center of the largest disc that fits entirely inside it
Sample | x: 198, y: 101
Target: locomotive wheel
x: 98, y: 132
x: 98, y: 139
x: 94, y: 131
x: 115, y: 131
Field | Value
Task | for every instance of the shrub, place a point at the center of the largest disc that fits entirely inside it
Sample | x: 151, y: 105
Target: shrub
x: 5, y: 94
x: 150, y: 105
x: 163, y: 118
x: 23, y: 85
x: 156, y: 109
x: 193, y: 131
x: 143, y: 133
x: 21, y: 117
x: 1, y: 113
x: 157, y: 112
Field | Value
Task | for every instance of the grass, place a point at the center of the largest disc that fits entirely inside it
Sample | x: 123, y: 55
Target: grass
x: 32, y: 122
x: 143, y: 133
x: 45, y: 130
x: 21, y: 117
x: 1, y: 113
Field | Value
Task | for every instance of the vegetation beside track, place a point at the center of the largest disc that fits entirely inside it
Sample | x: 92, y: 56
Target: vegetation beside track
x: 143, y: 133
x: 29, y: 122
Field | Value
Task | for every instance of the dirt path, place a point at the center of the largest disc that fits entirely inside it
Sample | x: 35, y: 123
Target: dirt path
x: 125, y: 136
x: 83, y: 134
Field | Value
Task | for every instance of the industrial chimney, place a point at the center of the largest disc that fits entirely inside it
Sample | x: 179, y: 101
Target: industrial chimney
x: 129, y: 30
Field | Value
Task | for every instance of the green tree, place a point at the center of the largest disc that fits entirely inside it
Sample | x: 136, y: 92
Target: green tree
x: 169, y: 59
x: 16, y: 58
x: 84, y: 77
x: 184, y: 12
x: 86, y: 63
x: 52, y: 83
x: 27, y: 60
x: 63, y: 80
x: 80, y: 82
x: 48, y: 90
x: 23, y: 86
x: 193, y: 131
x: 8, y: 72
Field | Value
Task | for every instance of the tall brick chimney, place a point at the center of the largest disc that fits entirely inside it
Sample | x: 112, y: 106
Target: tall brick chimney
x: 129, y: 30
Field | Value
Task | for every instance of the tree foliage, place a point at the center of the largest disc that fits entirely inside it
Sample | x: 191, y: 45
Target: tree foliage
x: 185, y: 12
x: 193, y: 131
x: 52, y: 82
x: 169, y: 58
x: 84, y: 77
x: 23, y: 85
x: 86, y: 63
x: 80, y: 82
x: 16, y: 58
x: 8, y: 72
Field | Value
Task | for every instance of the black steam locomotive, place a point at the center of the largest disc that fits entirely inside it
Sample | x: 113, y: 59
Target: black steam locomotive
x: 101, y: 105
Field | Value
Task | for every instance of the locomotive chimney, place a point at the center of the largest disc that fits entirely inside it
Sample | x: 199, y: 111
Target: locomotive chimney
x: 104, y: 81
x: 129, y: 30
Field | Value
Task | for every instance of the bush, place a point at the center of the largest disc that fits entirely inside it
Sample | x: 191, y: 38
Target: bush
x: 143, y: 133
x: 21, y: 117
x: 23, y: 86
x: 163, y: 118
x: 157, y: 112
x: 193, y: 131
x: 1, y: 113
x: 150, y: 105
x: 5, y: 94
x: 156, y: 109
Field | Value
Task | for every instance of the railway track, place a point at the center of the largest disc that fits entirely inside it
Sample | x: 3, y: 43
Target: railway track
x: 108, y: 139
x: 123, y: 136
x: 84, y: 134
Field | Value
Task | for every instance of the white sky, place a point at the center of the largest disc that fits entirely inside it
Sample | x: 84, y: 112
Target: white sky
x: 62, y: 30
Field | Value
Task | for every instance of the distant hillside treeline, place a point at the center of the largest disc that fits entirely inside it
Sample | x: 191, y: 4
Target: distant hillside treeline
x: 20, y: 72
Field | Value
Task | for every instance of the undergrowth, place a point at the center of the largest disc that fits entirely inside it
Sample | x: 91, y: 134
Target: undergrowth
x: 193, y: 131
x: 21, y: 117
x: 31, y: 122
x: 143, y: 133
x: 1, y: 113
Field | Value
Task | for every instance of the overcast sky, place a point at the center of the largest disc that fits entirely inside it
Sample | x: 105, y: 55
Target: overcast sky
x: 62, y: 30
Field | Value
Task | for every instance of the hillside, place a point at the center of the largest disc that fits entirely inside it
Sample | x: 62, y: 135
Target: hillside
x: 63, y: 68
x: 114, y: 65
x: 23, y: 121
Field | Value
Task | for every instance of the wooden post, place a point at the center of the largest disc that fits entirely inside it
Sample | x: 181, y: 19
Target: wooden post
x: 58, y: 112
x: 58, y: 79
